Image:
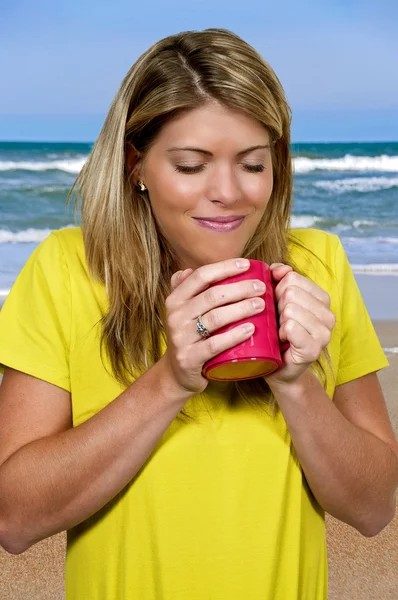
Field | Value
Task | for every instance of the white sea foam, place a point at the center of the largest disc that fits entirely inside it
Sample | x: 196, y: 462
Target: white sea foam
x: 382, y: 163
x: 376, y: 269
x: 304, y: 220
x: 25, y: 236
x: 68, y: 165
x: 363, y: 223
x: 28, y: 235
x: 316, y: 221
x: 378, y: 239
x: 358, y: 184
x: 393, y: 350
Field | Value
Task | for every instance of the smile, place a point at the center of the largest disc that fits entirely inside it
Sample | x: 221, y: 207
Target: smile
x: 216, y: 226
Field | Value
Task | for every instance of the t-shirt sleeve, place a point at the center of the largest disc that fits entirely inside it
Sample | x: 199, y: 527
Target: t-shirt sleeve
x: 36, y: 317
x: 360, y: 349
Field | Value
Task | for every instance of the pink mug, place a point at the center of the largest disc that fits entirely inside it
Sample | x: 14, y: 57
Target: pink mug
x: 261, y: 353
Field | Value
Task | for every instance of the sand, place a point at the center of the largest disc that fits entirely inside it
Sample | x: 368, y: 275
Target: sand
x: 359, y: 568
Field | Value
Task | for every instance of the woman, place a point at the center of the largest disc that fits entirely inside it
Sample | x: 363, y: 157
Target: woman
x: 171, y: 486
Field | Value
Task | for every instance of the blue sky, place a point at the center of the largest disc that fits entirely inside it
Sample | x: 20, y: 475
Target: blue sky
x: 65, y: 60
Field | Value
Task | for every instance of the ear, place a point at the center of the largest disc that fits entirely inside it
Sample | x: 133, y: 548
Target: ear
x: 132, y: 161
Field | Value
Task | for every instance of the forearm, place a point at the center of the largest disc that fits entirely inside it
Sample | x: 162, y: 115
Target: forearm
x: 352, y: 473
x: 54, y: 483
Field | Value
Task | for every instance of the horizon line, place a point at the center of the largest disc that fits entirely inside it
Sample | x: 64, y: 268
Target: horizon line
x: 353, y: 141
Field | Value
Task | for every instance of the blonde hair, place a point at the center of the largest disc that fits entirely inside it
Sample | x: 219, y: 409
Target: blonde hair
x: 124, y: 247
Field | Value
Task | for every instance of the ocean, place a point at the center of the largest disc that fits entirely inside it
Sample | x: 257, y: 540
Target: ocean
x: 349, y: 189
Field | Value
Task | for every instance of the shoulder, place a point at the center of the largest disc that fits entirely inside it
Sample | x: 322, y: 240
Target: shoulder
x: 313, y: 250
x: 60, y: 258
x: 70, y: 240
x: 66, y: 247
x: 84, y: 287
x: 314, y: 240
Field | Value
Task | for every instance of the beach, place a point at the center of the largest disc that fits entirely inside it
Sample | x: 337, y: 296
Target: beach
x: 359, y: 568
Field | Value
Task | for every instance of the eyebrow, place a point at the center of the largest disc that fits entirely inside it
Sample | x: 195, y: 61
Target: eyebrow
x: 208, y: 153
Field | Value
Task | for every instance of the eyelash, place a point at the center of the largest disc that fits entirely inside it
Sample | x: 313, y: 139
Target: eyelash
x: 188, y: 170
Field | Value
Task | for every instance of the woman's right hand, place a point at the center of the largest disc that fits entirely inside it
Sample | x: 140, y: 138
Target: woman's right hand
x: 193, y: 294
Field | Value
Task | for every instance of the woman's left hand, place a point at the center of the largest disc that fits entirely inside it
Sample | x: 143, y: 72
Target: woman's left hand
x: 305, y: 321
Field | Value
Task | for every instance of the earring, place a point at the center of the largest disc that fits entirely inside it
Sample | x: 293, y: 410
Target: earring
x: 141, y: 185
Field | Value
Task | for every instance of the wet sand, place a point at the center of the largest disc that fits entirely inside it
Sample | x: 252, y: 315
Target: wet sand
x: 359, y: 568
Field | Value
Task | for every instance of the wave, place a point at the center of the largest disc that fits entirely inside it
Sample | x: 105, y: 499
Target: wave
x: 26, y: 236
x: 297, y: 221
x: 358, y: 184
x: 369, y: 240
x: 302, y: 164
x: 393, y: 350
x: 382, y: 163
x: 304, y: 221
x: 376, y: 269
x: 67, y: 165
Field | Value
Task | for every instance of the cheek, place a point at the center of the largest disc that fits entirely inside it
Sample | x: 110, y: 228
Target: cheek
x: 259, y: 190
x: 170, y: 191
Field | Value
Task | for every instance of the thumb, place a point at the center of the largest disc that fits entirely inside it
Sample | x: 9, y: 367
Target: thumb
x: 178, y: 277
x: 279, y: 270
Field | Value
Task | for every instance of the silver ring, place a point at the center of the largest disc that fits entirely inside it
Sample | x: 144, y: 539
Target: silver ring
x: 201, y: 328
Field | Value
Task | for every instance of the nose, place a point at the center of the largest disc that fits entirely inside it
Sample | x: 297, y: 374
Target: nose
x: 223, y: 185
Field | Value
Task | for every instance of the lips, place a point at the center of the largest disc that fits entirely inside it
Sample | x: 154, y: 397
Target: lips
x: 220, y: 226
x: 220, y: 219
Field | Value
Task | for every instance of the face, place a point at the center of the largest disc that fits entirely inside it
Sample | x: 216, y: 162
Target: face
x: 209, y: 162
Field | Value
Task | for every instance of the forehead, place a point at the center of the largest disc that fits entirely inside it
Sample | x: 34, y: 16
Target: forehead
x: 212, y: 123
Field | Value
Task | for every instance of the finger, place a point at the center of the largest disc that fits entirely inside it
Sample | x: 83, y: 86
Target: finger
x: 206, y: 275
x: 303, y: 347
x: 230, y: 314
x: 295, y: 279
x: 308, y: 321
x: 179, y: 277
x: 215, y: 344
x: 174, y: 278
x: 294, y: 295
x: 279, y: 270
x: 214, y: 302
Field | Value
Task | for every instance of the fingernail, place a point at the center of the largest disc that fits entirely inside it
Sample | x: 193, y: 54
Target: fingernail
x: 243, y: 263
x: 259, y: 286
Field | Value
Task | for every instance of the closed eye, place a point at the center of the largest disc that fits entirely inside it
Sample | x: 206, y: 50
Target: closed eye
x: 184, y: 169
x: 198, y: 168
x: 254, y: 168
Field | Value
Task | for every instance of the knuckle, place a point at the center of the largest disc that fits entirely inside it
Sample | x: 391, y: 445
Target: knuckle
x: 291, y: 277
x: 327, y: 336
x: 289, y: 325
x: 213, y: 346
x: 326, y: 298
x: 199, y: 275
x: 210, y: 296
x: 213, y: 318
x: 288, y: 310
x: 290, y: 294
x: 180, y: 357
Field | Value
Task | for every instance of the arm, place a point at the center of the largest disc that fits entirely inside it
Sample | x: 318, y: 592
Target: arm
x: 53, y: 476
x: 346, y: 448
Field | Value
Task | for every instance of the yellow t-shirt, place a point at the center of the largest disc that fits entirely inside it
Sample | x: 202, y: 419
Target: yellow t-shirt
x: 221, y: 510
